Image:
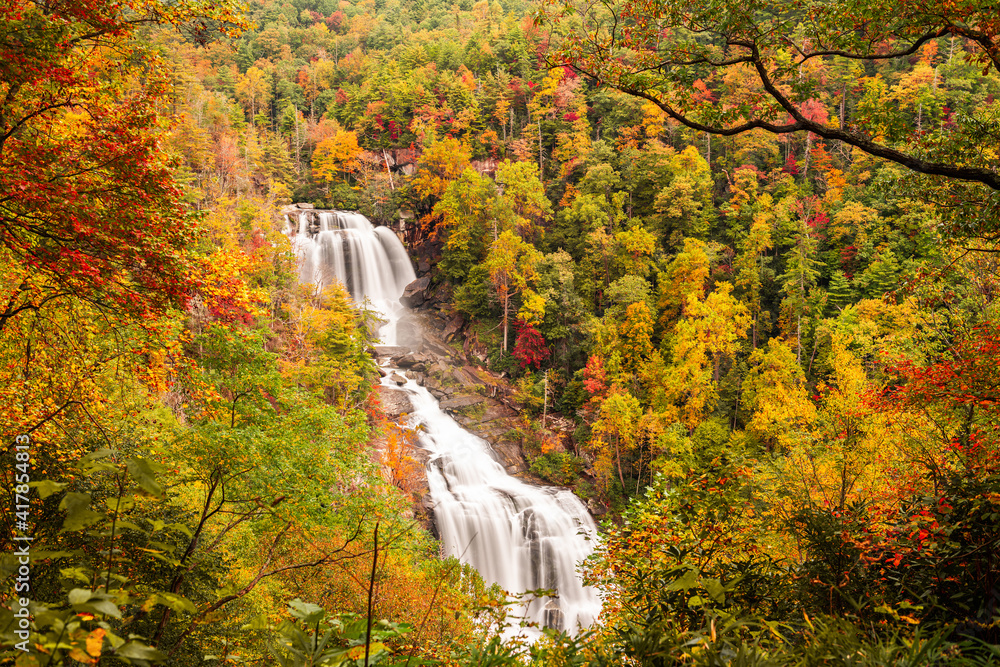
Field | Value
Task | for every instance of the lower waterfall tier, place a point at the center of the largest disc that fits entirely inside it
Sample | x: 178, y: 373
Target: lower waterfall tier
x: 519, y: 536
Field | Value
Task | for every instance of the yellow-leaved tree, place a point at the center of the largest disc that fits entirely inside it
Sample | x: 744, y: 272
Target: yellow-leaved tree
x: 338, y: 157
x: 774, y: 390
x: 511, y: 264
x: 616, y: 435
x: 704, y: 339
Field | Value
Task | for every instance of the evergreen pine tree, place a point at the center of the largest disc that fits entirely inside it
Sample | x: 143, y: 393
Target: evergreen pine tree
x: 839, y: 293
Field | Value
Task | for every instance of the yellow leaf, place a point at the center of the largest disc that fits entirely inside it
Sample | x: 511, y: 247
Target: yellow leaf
x: 95, y: 641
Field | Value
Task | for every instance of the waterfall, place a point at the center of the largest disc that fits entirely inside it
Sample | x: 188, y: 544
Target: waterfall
x: 344, y: 246
x: 519, y: 536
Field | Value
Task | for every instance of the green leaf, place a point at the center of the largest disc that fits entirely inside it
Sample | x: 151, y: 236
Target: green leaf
x: 47, y: 487
x: 78, y: 573
x: 98, y: 606
x: 178, y: 603
x: 138, y: 651
x: 114, y: 639
x: 119, y: 504
x: 98, y: 603
x: 121, y: 525
x: 258, y: 622
x: 140, y: 470
x: 308, y: 613
x: 78, y: 512
x: 687, y: 581
x: 180, y: 528
x: 715, y: 590
x: 92, y: 462
x: 79, y: 595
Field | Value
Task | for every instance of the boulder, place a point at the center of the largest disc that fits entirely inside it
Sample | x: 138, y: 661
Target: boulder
x: 453, y: 326
x: 461, y: 402
x: 415, y: 361
x: 391, y: 351
x: 398, y: 379
x: 416, y: 292
x: 394, y: 402
x: 596, y: 508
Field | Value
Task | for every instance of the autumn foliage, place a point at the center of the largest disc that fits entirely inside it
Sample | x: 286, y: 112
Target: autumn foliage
x: 767, y: 361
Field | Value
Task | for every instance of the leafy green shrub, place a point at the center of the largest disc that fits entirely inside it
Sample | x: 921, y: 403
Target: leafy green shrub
x: 558, y: 467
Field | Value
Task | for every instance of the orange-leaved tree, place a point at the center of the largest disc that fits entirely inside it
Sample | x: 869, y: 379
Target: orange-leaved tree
x: 88, y: 205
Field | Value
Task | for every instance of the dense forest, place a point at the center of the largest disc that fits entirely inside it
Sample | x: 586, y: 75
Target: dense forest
x: 736, y: 261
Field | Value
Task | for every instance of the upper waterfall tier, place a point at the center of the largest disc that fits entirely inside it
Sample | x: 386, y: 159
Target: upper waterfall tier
x: 344, y: 246
x: 369, y: 261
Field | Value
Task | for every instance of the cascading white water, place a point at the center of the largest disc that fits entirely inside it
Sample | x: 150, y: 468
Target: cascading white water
x: 344, y: 246
x: 519, y: 536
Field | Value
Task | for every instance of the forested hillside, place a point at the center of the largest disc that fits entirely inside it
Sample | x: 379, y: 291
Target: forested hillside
x: 737, y: 262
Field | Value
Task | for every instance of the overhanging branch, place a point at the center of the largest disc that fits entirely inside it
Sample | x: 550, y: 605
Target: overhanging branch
x: 987, y: 177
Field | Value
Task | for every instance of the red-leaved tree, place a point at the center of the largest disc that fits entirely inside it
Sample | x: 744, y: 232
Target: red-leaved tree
x: 88, y: 205
x: 529, y: 346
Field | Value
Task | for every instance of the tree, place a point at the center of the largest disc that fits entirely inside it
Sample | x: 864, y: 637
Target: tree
x: 466, y: 210
x: 686, y: 202
x: 635, y: 336
x: 524, y: 193
x: 88, y: 205
x: 658, y: 52
x: 750, y: 262
x: 616, y: 435
x: 774, y: 391
x: 722, y: 321
x: 441, y: 163
x: 685, y: 277
x: 511, y: 263
x: 800, y: 275
x: 338, y: 157
x: 254, y: 90
x: 529, y: 346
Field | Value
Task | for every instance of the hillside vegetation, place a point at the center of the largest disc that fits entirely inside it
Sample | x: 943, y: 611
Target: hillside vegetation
x: 777, y: 349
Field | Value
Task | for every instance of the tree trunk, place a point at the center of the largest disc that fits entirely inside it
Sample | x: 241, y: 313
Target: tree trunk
x: 506, y: 307
x: 618, y: 461
x: 798, y: 338
x: 540, y: 148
